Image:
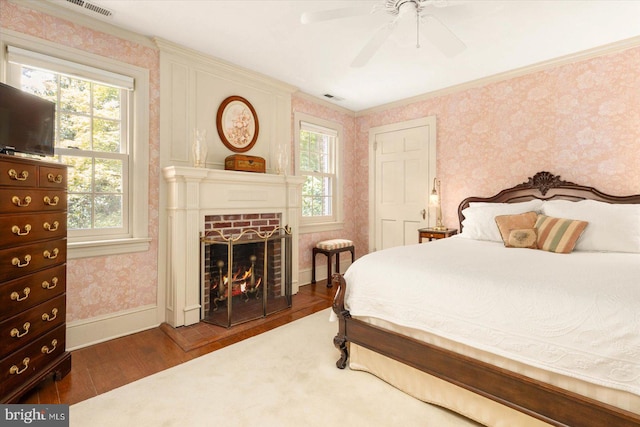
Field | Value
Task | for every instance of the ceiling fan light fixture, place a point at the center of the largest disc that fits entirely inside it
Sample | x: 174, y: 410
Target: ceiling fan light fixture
x: 408, y: 7
x: 443, y: 38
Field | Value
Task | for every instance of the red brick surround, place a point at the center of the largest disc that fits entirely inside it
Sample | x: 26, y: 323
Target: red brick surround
x: 233, y: 225
x: 236, y: 223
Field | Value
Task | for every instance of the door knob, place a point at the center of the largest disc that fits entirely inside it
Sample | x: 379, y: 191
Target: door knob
x: 424, y: 213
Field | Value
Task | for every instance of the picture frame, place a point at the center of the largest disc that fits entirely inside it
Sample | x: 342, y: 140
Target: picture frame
x: 237, y: 124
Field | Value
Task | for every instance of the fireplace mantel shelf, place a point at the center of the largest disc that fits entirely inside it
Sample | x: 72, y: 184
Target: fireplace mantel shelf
x: 219, y: 175
x: 194, y: 193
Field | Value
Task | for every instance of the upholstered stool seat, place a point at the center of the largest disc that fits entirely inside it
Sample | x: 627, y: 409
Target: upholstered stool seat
x: 330, y: 248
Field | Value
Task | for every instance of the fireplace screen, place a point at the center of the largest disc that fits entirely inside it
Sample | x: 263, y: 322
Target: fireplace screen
x: 246, y: 276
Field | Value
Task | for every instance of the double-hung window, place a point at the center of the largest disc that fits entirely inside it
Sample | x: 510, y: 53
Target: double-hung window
x: 318, y: 161
x: 95, y: 137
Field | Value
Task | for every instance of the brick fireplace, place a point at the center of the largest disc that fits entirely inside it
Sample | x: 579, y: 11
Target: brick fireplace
x: 246, y: 262
x: 233, y: 198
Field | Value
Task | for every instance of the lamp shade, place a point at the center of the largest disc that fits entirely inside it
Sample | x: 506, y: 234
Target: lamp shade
x: 434, y: 199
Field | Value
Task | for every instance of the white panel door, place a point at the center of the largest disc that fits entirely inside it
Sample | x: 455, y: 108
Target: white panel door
x: 404, y: 167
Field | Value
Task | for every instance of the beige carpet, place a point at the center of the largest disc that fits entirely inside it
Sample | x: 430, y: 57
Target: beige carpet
x: 284, y: 377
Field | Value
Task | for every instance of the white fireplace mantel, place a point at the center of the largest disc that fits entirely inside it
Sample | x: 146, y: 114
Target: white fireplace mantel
x: 194, y: 193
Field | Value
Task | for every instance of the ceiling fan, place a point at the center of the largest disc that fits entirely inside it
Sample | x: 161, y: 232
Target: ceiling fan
x: 400, y: 10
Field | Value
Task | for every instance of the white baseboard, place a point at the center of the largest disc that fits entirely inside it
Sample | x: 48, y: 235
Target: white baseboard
x: 304, y: 275
x: 83, y: 333
x: 87, y: 332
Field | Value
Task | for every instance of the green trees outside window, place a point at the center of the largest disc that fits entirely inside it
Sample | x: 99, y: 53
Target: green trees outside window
x: 317, y: 165
x: 91, y: 139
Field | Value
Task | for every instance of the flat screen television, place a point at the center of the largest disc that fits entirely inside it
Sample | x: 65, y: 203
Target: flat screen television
x: 27, y: 122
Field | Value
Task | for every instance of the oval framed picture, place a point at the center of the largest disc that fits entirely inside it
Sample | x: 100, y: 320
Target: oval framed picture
x: 237, y: 124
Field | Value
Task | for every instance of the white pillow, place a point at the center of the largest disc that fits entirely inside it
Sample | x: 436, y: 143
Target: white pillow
x: 479, y: 218
x: 612, y: 227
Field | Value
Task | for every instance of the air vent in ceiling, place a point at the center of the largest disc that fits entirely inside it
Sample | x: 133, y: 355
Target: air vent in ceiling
x: 333, y: 97
x: 91, y: 7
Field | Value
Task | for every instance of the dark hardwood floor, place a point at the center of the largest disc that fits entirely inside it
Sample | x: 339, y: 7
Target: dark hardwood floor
x: 105, y: 366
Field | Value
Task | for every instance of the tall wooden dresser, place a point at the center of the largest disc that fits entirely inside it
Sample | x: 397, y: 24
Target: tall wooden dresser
x: 33, y: 256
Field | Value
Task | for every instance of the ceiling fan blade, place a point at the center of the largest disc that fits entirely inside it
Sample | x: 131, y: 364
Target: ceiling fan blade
x: 441, y: 36
x: 373, y: 45
x: 331, y: 14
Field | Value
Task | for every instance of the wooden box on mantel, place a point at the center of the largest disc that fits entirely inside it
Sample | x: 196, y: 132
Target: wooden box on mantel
x: 240, y: 162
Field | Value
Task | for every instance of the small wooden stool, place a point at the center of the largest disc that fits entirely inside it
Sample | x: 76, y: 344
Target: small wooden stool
x: 329, y: 248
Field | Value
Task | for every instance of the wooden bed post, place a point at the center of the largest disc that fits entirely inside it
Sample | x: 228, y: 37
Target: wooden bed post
x: 340, y: 340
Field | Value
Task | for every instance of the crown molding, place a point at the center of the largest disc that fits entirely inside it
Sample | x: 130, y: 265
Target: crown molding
x: 584, y: 55
x: 62, y: 12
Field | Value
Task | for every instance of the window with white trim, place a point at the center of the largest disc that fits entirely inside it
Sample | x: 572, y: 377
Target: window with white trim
x: 318, y: 161
x: 95, y: 136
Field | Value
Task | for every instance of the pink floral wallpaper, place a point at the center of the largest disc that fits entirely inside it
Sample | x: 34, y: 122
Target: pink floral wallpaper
x: 580, y: 121
x: 103, y: 285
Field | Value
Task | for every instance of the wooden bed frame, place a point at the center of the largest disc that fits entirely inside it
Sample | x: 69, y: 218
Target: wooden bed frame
x: 538, y: 399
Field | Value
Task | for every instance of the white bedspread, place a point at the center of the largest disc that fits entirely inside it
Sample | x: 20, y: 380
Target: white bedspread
x: 575, y: 314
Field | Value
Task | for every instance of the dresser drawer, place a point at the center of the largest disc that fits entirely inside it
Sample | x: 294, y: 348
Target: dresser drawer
x: 23, y: 328
x: 52, y: 177
x: 23, y: 200
x: 18, y: 175
x: 33, y: 256
x: 32, y: 360
x: 21, y: 260
x: 21, y: 229
x: 28, y: 291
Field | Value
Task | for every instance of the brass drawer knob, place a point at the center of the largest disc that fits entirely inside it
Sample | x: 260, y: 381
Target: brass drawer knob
x: 47, y: 350
x: 14, y: 370
x: 53, y: 284
x: 17, y: 231
x: 21, y: 203
x: 55, y: 179
x: 22, y: 176
x: 47, y: 318
x: 51, y: 202
x: 15, y: 333
x: 16, y: 296
x: 51, y: 227
x: 16, y: 261
x: 51, y: 255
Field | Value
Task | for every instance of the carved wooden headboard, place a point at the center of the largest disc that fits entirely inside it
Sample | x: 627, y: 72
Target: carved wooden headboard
x: 547, y: 186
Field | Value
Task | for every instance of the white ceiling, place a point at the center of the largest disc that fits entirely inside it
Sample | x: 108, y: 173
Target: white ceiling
x: 268, y: 37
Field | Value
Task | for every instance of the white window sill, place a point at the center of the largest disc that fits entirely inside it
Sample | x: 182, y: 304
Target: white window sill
x: 78, y: 250
x: 321, y: 227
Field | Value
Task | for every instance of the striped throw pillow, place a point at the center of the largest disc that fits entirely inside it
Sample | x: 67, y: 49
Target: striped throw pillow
x: 558, y: 234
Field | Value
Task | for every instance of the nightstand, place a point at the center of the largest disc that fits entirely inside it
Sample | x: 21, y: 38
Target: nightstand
x: 431, y: 234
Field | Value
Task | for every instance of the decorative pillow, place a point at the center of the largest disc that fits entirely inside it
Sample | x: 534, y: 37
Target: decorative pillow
x: 506, y: 223
x: 522, y: 238
x: 558, y: 234
x: 612, y: 227
x: 479, y: 220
